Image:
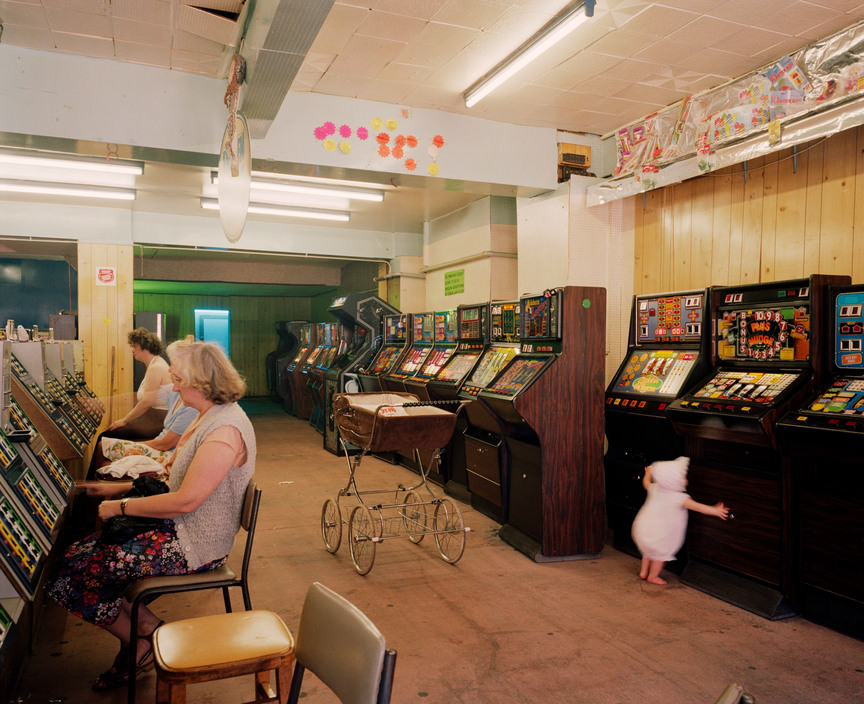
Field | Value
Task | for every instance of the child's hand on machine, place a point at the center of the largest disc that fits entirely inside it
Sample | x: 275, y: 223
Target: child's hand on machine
x: 721, y: 510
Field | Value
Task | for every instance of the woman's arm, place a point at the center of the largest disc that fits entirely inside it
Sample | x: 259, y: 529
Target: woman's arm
x: 718, y: 509
x: 164, y: 442
x: 105, y: 489
x: 646, y: 478
x: 154, y: 378
x: 212, y: 461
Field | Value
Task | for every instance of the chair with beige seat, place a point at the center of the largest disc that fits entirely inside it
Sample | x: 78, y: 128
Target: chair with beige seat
x: 335, y: 641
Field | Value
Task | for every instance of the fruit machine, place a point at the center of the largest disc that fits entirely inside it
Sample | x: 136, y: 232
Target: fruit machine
x: 419, y: 348
x: 276, y: 362
x: 669, y: 350
x: 821, y: 442
x: 766, y: 359
x: 301, y: 402
x: 362, y: 317
x: 304, y: 389
x: 315, y: 375
x: 549, y: 399
x: 443, y: 349
x: 397, y: 340
x: 72, y: 378
x: 59, y: 392
x: 486, y: 459
x: 61, y: 433
x: 472, y: 334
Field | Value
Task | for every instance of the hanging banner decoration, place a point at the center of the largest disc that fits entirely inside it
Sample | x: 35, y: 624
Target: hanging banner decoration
x: 235, y: 158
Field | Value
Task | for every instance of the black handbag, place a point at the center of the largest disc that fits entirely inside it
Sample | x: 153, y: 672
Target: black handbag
x: 119, y: 529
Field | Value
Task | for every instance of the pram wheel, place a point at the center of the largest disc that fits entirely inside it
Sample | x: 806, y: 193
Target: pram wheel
x: 331, y: 525
x: 362, y: 532
x: 449, y: 529
x: 414, y: 517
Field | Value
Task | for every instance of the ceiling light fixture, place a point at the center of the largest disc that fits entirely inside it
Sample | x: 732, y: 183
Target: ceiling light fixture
x: 324, y: 181
x: 282, y: 186
x: 129, y: 168
x: 285, y: 211
x: 549, y: 35
x: 66, y: 189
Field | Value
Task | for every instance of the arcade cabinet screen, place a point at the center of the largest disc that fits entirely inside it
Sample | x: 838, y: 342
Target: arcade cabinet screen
x: 459, y: 366
x: 844, y: 396
x: 518, y: 375
x: 445, y: 326
x: 413, y: 360
x: 394, y: 328
x: 471, y: 323
x: 849, y: 330
x: 669, y: 318
x: 436, y: 360
x: 771, y: 334
x: 424, y: 328
x: 656, y: 372
x: 540, y: 318
x: 310, y: 360
x: 504, y: 322
x: 493, y: 362
x: 386, y: 359
x: 753, y: 387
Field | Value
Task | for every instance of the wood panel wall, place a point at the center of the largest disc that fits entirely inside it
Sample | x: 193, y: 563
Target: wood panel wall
x: 253, y: 331
x: 787, y: 215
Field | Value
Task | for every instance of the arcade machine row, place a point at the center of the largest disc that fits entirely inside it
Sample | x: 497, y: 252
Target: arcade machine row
x: 550, y: 399
x: 304, y: 385
x: 443, y: 350
x: 767, y: 357
x: 72, y: 366
x: 472, y: 334
x: 822, y: 443
x: 277, y: 361
x: 299, y: 405
x: 362, y: 318
x: 669, y: 350
x: 487, y: 462
x: 334, y: 341
x: 397, y: 340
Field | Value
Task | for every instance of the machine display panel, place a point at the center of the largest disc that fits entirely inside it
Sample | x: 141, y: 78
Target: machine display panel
x: 316, y: 353
x: 56, y: 471
x: 458, y: 367
x: 19, y: 547
x: 472, y: 322
x: 424, y: 328
x: 518, y: 375
x: 750, y: 386
x: 395, y: 329
x: 493, y: 361
x: 676, y: 318
x: 766, y: 334
x: 436, y: 360
x: 445, y: 326
x: 540, y: 318
x: 656, y: 372
x: 504, y: 321
x: 843, y: 397
x: 386, y: 359
x: 849, y: 330
x: 413, y: 360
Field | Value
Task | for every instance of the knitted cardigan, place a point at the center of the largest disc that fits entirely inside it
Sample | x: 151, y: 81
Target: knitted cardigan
x: 208, y: 532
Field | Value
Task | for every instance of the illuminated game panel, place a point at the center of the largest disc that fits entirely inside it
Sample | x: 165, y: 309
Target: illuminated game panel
x: 517, y: 376
x: 445, y: 326
x: 849, y: 330
x: 7, y: 454
x: 458, y: 367
x: 776, y: 334
x: 424, y: 328
x: 469, y: 324
x: 412, y: 362
x: 436, y: 360
x: 386, y: 359
x: 42, y: 507
x: 394, y: 328
x: 669, y: 318
x: 656, y: 372
x: 539, y: 318
x: 492, y: 362
x: 753, y: 387
x: 315, y: 354
x: 17, y: 542
x: 844, y: 396
x: 299, y: 355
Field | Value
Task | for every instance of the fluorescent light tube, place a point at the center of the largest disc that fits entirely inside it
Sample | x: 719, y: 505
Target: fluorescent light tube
x: 280, y: 186
x: 284, y: 211
x: 98, y: 165
x: 541, y: 42
x: 66, y: 189
x: 324, y: 181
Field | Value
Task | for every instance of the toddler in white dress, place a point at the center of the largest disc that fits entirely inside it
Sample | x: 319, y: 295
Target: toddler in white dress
x: 660, y: 526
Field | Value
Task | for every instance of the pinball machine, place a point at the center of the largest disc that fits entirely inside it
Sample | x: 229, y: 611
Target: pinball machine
x: 669, y: 350
x: 362, y: 318
x: 486, y: 456
x: 549, y: 399
x: 822, y: 442
x: 766, y: 359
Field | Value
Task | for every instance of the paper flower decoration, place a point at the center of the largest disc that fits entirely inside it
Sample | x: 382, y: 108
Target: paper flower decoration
x: 362, y: 133
x: 345, y: 147
x: 410, y: 164
x: 345, y: 131
x: 438, y: 141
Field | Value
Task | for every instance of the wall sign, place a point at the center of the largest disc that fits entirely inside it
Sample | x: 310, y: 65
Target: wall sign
x: 454, y: 282
x: 106, y: 275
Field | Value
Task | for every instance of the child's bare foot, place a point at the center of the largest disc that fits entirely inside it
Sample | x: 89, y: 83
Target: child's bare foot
x: 643, y: 574
x: 655, y: 580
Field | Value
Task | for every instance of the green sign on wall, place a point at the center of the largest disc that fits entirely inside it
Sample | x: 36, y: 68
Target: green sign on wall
x: 454, y: 282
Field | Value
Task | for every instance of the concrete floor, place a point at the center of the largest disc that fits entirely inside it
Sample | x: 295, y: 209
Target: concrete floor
x: 496, y: 628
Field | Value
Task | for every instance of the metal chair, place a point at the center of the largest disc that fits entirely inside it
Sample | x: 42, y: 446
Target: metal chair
x: 343, y: 648
x: 223, y: 578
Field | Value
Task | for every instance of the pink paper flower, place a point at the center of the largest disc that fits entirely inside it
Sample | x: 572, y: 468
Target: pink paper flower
x: 345, y: 131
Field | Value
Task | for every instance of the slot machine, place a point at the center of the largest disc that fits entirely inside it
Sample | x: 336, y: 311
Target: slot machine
x: 443, y: 348
x: 486, y: 460
x: 334, y: 340
x: 422, y: 341
x: 668, y: 351
x: 766, y: 359
x: 68, y: 402
x: 550, y: 402
x: 72, y: 357
x: 362, y: 318
x: 397, y: 339
x: 278, y: 361
x: 822, y: 442
x: 304, y: 388
x: 472, y: 334
x: 301, y: 402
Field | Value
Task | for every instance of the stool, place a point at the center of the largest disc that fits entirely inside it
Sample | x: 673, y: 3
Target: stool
x: 221, y: 646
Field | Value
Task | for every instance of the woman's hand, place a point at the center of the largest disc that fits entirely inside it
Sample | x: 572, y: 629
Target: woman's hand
x: 104, y: 489
x: 109, y: 509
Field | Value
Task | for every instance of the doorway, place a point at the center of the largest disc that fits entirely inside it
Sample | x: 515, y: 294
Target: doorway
x: 214, y: 326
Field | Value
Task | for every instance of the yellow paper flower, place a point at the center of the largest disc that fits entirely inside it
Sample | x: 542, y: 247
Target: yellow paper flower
x: 345, y: 147
x: 329, y: 145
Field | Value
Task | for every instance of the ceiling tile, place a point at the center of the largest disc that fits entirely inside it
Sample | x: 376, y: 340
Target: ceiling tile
x: 151, y: 11
x: 422, y: 9
x: 622, y: 43
x: 366, y: 55
x: 658, y: 21
x: 470, y: 13
x: 141, y: 32
x: 186, y: 42
x: 340, y: 25
x: 23, y: 14
x: 706, y: 29
x: 147, y: 54
x: 92, y: 7
x: 28, y: 37
x: 74, y: 22
x: 84, y: 45
x: 445, y: 37
x: 386, y: 25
